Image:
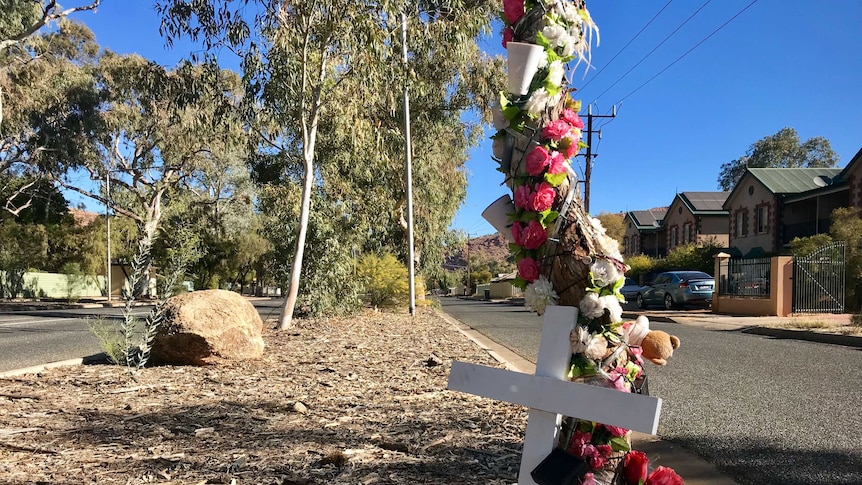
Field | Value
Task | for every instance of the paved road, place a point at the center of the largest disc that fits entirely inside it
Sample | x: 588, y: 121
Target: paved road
x: 38, y: 337
x: 765, y: 411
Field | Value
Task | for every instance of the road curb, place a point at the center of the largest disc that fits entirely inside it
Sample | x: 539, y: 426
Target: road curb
x: 39, y: 368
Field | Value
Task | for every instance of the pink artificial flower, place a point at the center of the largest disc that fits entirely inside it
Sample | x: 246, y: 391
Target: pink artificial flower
x: 618, y: 379
x: 524, y: 197
x: 558, y: 164
x: 572, y: 118
x: 635, y: 467
x: 534, y: 236
x: 594, y: 457
x: 516, y: 233
x: 513, y: 9
x: 664, y: 476
x: 543, y: 197
x: 537, y: 160
x: 528, y: 268
x: 637, y: 354
x: 605, y: 450
x: 508, y: 36
x: 556, y: 129
x: 589, y: 479
x: 616, y: 431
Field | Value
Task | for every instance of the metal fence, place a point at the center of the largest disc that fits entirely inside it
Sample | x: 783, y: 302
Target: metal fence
x: 818, y: 280
x: 744, y: 277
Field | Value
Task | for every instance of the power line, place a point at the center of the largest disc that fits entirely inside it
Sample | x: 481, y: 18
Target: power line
x: 653, y: 50
x: 626, y: 46
x: 689, y: 51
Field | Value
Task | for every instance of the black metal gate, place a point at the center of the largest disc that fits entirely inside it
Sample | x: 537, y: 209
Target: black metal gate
x: 818, y: 280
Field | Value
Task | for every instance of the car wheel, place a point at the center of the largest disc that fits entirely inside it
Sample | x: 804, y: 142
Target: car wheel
x: 641, y: 302
x: 668, y: 302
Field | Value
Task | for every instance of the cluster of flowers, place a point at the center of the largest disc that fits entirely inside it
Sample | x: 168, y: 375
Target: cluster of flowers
x: 595, y: 443
x: 567, y: 26
x: 636, y: 472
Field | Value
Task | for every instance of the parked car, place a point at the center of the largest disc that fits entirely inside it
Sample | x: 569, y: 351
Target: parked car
x: 673, y: 289
x: 630, y: 289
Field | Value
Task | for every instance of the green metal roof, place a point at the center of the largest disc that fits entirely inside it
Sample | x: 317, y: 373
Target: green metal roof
x: 794, y: 180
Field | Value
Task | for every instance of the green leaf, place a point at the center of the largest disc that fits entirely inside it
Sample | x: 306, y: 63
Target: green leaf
x: 556, y: 179
x: 548, y: 217
x: 543, y: 41
x: 619, y: 443
x: 519, y: 283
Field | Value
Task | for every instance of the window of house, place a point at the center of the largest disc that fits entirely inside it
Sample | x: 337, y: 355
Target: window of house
x: 626, y: 249
x: 741, y: 223
x: 686, y: 233
x: 674, y: 236
x: 762, y: 219
x: 635, y: 247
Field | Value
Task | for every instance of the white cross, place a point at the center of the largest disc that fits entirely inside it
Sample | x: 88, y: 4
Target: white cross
x: 549, y: 395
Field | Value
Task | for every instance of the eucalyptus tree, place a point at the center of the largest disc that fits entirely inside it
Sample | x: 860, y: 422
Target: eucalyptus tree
x: 306, y: 63
x: 48, y: 110
x: 23, y: 18
x: 158, y: 127
x: 781, y: 150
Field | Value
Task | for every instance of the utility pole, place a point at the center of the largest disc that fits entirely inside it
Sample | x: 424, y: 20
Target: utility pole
x: 588, y: 170
x: 108, y: 226
x: 408, y: 162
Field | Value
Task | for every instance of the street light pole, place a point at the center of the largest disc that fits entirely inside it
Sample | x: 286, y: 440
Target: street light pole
x: 409, y: 169
x: 108, y: 225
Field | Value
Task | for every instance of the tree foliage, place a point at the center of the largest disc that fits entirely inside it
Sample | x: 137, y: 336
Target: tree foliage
x: 781, y: 150
x: 614, y: 224
x: 23, y: 18
x: 383, y: 280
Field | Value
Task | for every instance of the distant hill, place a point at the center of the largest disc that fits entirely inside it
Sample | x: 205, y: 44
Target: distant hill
x: 492, y: 246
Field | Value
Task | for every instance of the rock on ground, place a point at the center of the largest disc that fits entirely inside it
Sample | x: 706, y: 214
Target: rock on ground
x: 205, y: 326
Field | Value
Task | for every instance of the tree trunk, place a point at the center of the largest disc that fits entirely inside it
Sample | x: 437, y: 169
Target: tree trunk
x: 285, y: 321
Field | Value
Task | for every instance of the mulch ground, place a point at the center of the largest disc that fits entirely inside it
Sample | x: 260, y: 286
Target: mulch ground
x: 360, y: 400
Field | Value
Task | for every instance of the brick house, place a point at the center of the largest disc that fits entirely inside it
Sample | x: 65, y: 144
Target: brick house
x: 645, y: 233
x: 696, y: 218
x: 769, y: 207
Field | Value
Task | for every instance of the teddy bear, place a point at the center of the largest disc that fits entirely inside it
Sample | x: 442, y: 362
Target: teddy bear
x: 657, y: 345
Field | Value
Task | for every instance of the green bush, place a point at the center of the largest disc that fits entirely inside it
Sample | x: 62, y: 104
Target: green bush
x: 384, y: 280
x: 803, y: 246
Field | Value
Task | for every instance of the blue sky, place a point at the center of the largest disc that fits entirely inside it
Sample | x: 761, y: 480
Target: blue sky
x: 779, y: 63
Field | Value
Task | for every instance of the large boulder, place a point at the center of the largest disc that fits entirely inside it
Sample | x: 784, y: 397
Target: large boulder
x: 204, y: 327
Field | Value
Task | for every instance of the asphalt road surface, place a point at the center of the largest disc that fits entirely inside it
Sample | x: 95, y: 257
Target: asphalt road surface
x: 765, y: 411
x: 38, y: 337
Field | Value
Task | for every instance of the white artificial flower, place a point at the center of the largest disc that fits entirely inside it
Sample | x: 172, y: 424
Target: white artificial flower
x: 543, y: 61
x: 592, y: 306
x: 498, y: 147
x: 539, y: 295
x: 580, y: 338
x: 500, y: 121
x: 597, y: 348
x: 555, y: 34
x: 605, y: 273
x: 556, y: 72
x: 612, y: 305
x: 537, y: 102
x: 570, y: 13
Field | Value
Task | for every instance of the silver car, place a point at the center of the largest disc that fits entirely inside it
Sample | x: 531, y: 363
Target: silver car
x: 674, y: 289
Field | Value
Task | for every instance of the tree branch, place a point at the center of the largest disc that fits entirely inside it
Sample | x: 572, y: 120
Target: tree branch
x: 48, y: 15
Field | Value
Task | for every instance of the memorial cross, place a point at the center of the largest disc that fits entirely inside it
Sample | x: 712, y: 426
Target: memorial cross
x: 549, y: 394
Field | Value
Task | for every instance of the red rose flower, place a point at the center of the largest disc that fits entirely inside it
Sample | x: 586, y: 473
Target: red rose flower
x: 534, y: 236
x: 664, y: 476
x: 524, y: 197
x: 508, y: 36
x: 537, y: 160
x: 543, y: 197
x: 528, y: 268
x: 556, y: 129
x: 572, y: 118
x: 616, y: 430
x: 513, y: 9
x: 635, y: 467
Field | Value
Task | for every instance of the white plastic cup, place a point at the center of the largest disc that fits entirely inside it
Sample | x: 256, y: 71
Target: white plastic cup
x: 523, y: 61
x: 497, y: 214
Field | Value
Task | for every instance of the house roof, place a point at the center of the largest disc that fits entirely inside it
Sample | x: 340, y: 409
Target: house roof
x: 784, y: 181
x: 856, y: 159
x: 704, y: 203
x: 648, y: 219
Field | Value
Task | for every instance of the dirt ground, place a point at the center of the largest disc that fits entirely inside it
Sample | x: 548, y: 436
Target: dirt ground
x: 360, y: 400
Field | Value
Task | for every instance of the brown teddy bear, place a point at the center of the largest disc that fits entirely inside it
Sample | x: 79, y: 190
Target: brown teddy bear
x: 657, y: 345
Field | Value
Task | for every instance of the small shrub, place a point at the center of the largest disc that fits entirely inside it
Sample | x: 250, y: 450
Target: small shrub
x: 109, y: 337
x: 384, y: 280
x: 856, y: 320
